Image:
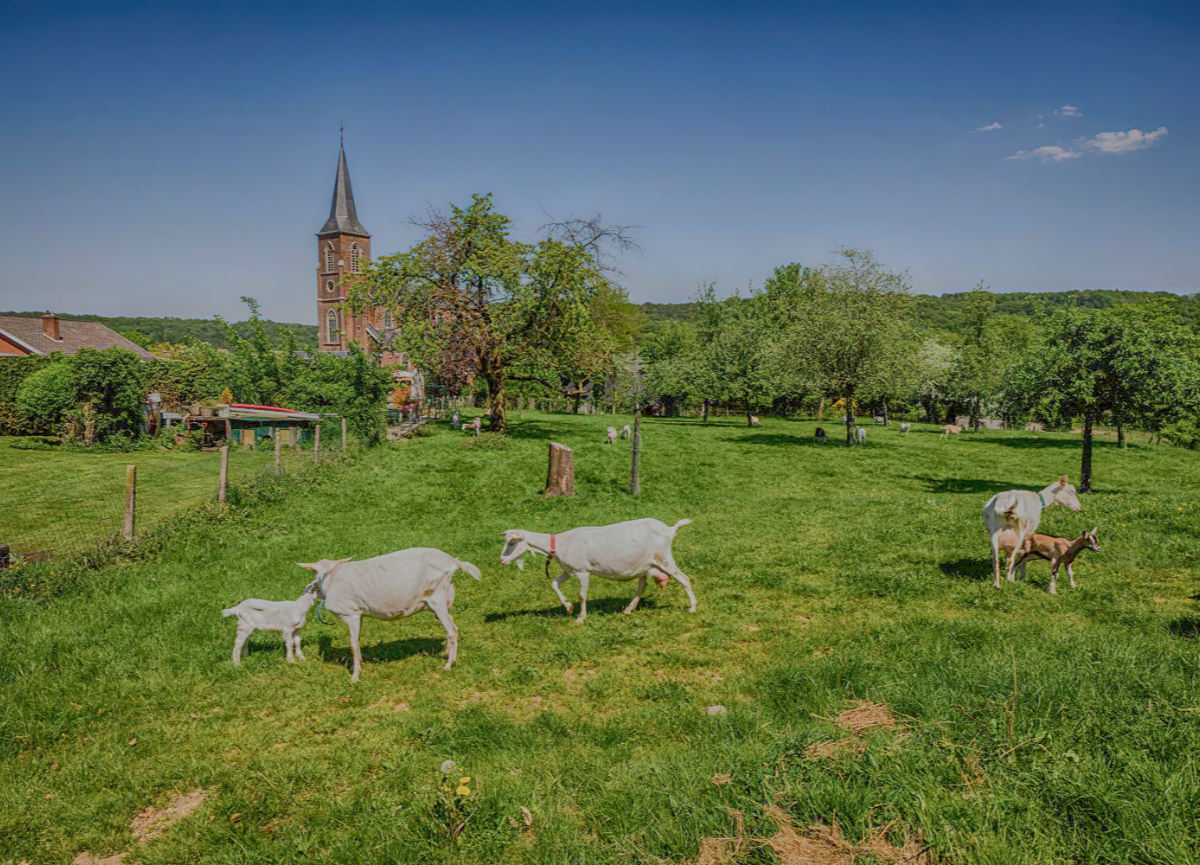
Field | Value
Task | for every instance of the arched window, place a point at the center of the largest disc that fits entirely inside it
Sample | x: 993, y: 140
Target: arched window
x: 329, y: 258
x: 355, y: 257
x: 329, y: 286
x: 331, y: 326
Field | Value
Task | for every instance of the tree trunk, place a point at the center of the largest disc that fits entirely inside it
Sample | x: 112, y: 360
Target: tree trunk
x: 1085, y: 467
x: 1120, y: 434
x: 497, y: 421
x: 706, y: 403
x: 749, y: 422
x: 849, y: 421
x: 885, y: 417
x: 821, y: 410
x: 973, y: 421
x: 560, y: 472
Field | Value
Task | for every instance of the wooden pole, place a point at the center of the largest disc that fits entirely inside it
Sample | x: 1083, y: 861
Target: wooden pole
x: 224, y: 473
x: 317, y: 443
x: 130, y: 500
x: 343, y: 433
x: 277, y: 446
x: 635, y: 458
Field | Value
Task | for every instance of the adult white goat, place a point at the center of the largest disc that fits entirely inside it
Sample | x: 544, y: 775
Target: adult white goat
x: 621, y: 551
x: 287, y: 617
x: 389, y: 587
x: 1020, y: 511
x: 626, y: 432
x: 612, y: 434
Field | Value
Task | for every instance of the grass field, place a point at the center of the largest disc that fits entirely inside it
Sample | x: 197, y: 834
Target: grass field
x: 1033, y: 728
x: 57, y: 502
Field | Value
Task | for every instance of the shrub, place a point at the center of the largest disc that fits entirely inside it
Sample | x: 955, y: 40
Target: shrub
x: 1184, y: 433
x: 13, y: 371
x: 44, y: 398
x: 88, y: 396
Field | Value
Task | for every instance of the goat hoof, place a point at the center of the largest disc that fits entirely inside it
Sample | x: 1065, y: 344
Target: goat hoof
x: 579, y: 620
x: 570, y: 608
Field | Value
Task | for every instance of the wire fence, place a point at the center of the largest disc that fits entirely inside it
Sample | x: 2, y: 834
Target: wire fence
x: 56, y: 502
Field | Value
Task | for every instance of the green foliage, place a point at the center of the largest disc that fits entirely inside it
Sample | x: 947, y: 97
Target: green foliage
x: 352, y: 387
x: 13, y: 371
x: 148, y: 331
x: 44, y: 398
x: 88, y: 396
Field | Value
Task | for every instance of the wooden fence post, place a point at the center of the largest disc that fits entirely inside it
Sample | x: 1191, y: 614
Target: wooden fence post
x: 343, y: 433
x: 224, y: 473
x: 130, y: 500
x: 635, y: 459
x: 277, y: 446
x: 317, y: 443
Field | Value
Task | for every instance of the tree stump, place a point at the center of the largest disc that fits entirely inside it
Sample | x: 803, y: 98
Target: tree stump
x: 560, y: 475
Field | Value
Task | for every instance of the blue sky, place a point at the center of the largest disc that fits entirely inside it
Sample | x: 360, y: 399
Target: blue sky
x: 165, y: 159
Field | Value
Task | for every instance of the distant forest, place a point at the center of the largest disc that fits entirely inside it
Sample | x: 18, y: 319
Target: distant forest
x: 946, y: 312
x: 937, y: 313
x: 146, y: 331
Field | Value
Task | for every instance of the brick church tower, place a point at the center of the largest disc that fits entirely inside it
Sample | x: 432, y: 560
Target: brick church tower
x: 343, y: 247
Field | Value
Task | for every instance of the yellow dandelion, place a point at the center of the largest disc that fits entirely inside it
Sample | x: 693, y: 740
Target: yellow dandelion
x: 464, y: 780
x: 463, y: 790
x: 445, y: 789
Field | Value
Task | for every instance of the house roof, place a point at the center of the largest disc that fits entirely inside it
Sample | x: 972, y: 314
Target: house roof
x: 27, y: 331
x: 343, y: 218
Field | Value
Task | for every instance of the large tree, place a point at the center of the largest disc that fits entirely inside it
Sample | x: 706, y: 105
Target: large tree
x: 1127, y: 361
x: 515, y: 311
x: 845, y: 326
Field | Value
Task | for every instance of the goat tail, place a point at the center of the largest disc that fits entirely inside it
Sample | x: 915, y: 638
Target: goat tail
x: 232, y: 611
x: 679, y: 525
x: 470, y: 569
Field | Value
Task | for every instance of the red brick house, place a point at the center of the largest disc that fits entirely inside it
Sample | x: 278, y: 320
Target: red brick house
x: 22, y: 335
x: 343, y: 249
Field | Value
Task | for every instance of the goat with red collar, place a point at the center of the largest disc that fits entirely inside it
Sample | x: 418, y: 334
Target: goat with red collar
x: 621, y: 551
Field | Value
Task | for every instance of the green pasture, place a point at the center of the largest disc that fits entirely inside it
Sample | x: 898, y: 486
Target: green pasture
x: 65, y: 501
x: 1035, y: 729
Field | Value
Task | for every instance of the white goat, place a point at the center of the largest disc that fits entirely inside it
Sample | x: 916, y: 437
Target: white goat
x: 754, y: 421
x: 474, y: 426
x: 626, y: 432
x: 621, y: 551
x: 389, y: 587
x: 1020, y: 511
x: 612, y: 434
x: 454, y: 421
x: 905, y: 427
x: 287, y: 617
x: 861, y: 435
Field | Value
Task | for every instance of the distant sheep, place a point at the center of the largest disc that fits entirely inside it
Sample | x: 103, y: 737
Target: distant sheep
x: 287, y: 617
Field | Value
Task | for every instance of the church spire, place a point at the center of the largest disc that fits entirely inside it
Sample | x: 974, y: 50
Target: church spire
x: 343, y: 219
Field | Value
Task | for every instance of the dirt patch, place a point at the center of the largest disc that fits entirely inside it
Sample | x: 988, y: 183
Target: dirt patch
x: 831, y: 750
x: 153, y: 822
x: 88, y: 858
x: 817, y: 845
x: 866, y: 716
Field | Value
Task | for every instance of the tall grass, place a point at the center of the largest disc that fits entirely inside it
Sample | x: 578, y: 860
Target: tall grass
x: 1038, y: 728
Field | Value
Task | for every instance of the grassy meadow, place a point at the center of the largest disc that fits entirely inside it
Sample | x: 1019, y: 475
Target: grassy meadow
x: 64, y: 501
x: 1031, y: 728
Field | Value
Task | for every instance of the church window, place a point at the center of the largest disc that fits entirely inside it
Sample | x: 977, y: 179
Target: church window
x: 329, y: 258
x: 331, y: 326
x: 355, y: 257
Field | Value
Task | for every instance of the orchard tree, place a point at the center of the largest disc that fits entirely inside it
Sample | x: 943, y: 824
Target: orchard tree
x: 847, y: 326
x: 514, y: 311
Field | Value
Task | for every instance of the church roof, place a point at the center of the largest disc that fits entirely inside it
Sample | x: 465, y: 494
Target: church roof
x: 343, y: 218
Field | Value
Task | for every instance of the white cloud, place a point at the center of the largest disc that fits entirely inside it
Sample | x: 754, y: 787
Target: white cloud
x: 989, y: 127
x: 1125, y: 142
x: 1046, y: 153
x: 1069, y: 111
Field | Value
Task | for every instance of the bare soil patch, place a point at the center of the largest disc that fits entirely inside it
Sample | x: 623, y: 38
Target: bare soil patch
x: 153, y: 822
x: 832, y: 749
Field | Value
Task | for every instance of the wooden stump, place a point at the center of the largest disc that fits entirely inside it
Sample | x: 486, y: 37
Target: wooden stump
x: 560, y: 475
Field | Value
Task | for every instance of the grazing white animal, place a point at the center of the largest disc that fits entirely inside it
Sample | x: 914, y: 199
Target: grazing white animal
x: 454, y: 421
x: 1020, y: 511
x: 287, y: 617
x: 626, y: 432
x: 621, y: 551
x: 861, y: 435
x: 753, y: 420
x: 612, y: 434
x: 905, y: 427
x: 389, y: 587
x: 951, y: 429
x: 1057, y: 551
x: 474, y: 426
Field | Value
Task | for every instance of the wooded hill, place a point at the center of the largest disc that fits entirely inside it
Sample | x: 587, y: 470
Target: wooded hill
x: 145, y: 330
x: 947, y: 311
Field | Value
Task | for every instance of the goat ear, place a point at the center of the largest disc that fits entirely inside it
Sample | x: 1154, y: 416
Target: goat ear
x: 1095, y: 529
x: 307, y: 566
x: 347, y: 559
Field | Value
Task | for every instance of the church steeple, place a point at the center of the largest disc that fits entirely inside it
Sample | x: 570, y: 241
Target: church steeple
x: 343, y: 218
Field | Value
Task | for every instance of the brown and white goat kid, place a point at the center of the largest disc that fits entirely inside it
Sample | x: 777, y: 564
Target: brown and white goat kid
x: 1057, y: 551
x: 1020, y: 511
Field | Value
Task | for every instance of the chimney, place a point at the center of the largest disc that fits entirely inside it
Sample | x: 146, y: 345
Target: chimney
x: 50, y: 325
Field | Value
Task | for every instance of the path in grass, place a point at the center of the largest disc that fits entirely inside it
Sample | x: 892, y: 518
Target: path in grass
x: 1032, y: 728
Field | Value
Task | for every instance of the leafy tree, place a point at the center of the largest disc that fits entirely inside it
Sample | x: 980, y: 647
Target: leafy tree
x: 1127, y: 361
x: 674, y: 373
x: 44, y: 398
x: 96, y: 393
x: 352, y: 387
x: 846, y: 327
x: 516, y: 311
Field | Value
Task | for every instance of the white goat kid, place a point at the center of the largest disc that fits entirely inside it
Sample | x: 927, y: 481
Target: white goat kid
x: 390, y: 587
x: 612, y: 434
x: 1020, y: 511
x: 626, y: 432
x: 287, y: 617
x: 861, y: 435
x: 621, y: 551
x: 905, y: 427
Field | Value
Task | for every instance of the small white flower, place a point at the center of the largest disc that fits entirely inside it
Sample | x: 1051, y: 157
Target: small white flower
x: 448, y: 766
